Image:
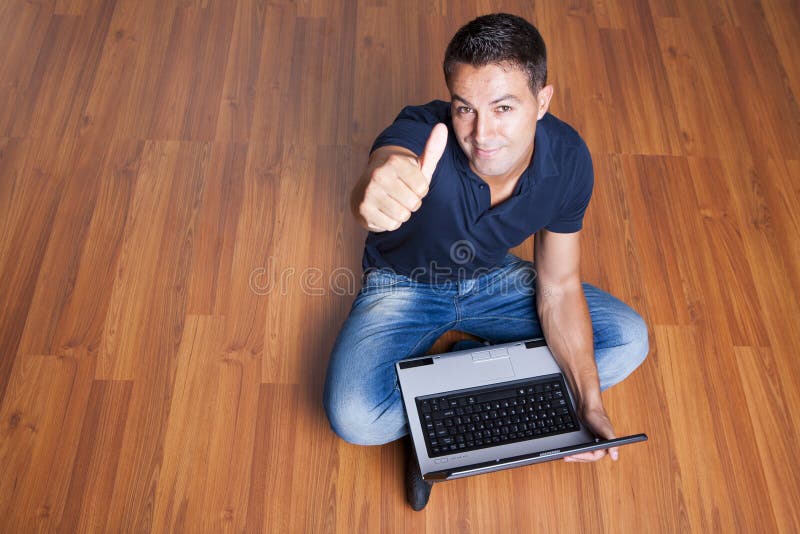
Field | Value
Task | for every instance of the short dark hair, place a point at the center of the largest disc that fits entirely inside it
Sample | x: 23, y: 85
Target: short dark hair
x: 496, y: 39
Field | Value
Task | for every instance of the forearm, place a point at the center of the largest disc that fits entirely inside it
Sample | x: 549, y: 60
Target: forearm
x: 567, y: 326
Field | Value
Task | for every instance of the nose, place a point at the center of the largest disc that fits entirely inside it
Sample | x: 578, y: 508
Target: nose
x: 483, y: 130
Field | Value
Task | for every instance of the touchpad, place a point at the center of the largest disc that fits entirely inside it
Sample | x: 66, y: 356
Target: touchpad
x: 494, y: 369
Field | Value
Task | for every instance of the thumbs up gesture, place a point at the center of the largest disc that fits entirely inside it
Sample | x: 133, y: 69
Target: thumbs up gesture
x: 395, y: 182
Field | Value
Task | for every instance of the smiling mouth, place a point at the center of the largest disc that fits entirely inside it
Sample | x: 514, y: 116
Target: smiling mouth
x: 485, y: 152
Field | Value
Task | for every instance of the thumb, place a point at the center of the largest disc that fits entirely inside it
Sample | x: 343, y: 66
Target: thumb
x: 434, y: 148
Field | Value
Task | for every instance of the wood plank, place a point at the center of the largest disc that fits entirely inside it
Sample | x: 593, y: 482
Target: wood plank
x: 216, y: 228
x: 113, y: 81
x: 314, y: 488
x: 24, y: 27
x: 176, y: 74
x: 232, y: 435
x: 36, y: 195
x: 782, y: 194
x: 582, y: 94
x: 395, y: 516
x: 775, y: 431
x: 138, y: 262
x: 272, y: 476
x: 662, y: 490
x: 272, y: 96
x: 692, y: 446
x: 765, y: 256
x: 47, y: 74
x: 81, y: 321
x: 203, y: 103
x: 96, y: 462
x: 357, y: 496
x: 722, y: 258
x: 702, y: 98
x: 765, y: 122
x: 65, y: 247
x: 653, y: 183
x: 59, y: 110
x: 611, y: 232
x: 255, y: 235
x: 13, y: 155
x: 293, y: 273
x: 36, y: 447
x: 782, y: 19
x: 152, y: 28
x: 301, y: 276
x: 330, y: 72
x: 178, y: 504
x: 22, y: 410
x: 237, y: 104
x: 637, y: 94
x: 151, y: 359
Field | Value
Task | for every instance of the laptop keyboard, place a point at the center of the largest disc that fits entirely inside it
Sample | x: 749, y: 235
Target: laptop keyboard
x: 478, y: 418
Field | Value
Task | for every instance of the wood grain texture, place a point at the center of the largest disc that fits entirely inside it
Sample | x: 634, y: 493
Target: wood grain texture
x: 177, y: 256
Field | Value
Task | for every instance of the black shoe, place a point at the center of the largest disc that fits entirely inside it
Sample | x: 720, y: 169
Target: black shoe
x: 418, y: 491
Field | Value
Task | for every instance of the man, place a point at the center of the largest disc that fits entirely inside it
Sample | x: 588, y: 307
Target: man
x: 449, y: 188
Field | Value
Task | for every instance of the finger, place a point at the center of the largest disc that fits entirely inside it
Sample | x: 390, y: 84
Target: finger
x: 416, y: 182
x: 402, y: 171
x: 434, y: 148
x: 405, y: 195
x: 380, y: 222
x: 393, y: 209
x: 609, y: 433
x: 592, y: 456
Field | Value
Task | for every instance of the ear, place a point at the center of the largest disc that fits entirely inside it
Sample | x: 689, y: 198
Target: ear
x: 543, y: 100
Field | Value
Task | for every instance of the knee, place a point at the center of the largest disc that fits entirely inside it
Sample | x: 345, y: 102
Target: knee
x: 638, y: 340
x: 632, y: 350
x: 352, y: 420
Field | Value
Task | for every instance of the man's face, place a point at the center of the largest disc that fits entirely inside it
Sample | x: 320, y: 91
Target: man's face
x: 494, y: 118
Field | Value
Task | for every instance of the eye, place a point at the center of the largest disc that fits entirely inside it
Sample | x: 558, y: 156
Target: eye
x: 462, y: 110
x: 503, y: 109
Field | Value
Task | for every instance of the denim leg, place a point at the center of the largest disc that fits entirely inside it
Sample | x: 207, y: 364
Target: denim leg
x: 501, y: 307
x: 504, y: 309
x: 620, y: 336
x: 391, y: 319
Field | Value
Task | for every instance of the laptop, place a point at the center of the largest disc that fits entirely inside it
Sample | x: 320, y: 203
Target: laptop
x: 489, y: 408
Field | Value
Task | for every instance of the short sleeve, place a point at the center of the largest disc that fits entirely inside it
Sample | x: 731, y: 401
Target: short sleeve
x: 569, y: 218
x: 413, y: 126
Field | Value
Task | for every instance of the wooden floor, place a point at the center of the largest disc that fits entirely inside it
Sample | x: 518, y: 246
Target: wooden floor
x: 176, y: 257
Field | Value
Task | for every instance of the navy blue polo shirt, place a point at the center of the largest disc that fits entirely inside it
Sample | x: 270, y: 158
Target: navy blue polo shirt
x: 456, y: 234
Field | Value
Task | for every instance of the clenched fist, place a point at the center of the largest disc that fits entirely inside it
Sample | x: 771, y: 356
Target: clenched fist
x: 395, y: 182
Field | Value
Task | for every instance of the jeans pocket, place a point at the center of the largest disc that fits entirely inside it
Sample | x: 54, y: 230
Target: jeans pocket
x: 378, y: 279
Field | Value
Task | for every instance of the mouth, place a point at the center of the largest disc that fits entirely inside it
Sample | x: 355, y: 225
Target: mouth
x: 485, y: 153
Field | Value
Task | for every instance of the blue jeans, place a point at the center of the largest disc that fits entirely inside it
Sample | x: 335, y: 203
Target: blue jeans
x: 394, y: 317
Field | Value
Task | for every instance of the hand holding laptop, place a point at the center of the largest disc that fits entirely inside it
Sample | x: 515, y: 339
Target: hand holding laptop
x: 597, y: 420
